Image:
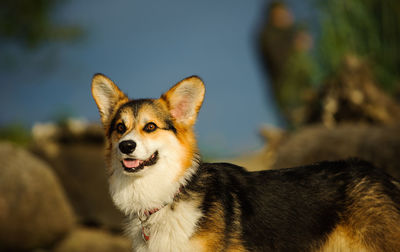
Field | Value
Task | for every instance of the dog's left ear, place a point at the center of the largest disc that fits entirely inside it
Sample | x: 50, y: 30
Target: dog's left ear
x: 106, y: 95
x: 184, y: 100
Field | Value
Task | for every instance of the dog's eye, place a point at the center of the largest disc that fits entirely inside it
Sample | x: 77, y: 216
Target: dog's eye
x: 121, y: 128
x: 150, y: 127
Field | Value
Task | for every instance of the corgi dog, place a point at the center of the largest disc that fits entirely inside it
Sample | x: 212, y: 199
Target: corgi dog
x: 175, y: 202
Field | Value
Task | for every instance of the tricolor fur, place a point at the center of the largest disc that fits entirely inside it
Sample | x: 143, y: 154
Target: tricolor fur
x: 175, y: 202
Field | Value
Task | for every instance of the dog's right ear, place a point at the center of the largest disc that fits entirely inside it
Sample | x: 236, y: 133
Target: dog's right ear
x: 106, y: 95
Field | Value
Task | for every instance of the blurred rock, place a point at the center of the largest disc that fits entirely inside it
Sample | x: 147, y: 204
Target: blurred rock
x: 91, y: 240
x: 72, y: 130
x: 352, y: 95
x: 263, y: 158
x: 34, y: 212
x: 76, y: 153
x: 377, y: 144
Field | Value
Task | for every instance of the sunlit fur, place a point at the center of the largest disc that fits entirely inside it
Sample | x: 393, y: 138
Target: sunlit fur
x: 154, y: 186
x: 331, y: 206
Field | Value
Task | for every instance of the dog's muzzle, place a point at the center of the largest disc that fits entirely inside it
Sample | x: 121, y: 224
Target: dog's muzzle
x: 133, y: 165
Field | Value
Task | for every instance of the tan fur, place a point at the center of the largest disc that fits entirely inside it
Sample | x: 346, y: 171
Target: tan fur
x: 211, y: 233
x: 187, y: 139
x: 342, y: 240
x: 373, y: 218
x: 185, y: 133
x: 210, y: 236
x: 370, y: 223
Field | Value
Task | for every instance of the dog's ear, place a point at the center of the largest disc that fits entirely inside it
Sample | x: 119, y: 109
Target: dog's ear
x: 106, y: 95
x: 184, y: 100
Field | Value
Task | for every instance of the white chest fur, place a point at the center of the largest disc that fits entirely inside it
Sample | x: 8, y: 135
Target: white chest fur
x: 168, y: 229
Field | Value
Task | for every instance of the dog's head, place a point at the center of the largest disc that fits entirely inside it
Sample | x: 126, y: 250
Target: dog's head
x: 144, y: 134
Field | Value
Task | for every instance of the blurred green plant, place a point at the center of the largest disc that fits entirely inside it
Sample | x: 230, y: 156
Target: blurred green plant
x: 369, y: 29
x: 31, y: 24
x: 16, y: 133
x: 296, y: 87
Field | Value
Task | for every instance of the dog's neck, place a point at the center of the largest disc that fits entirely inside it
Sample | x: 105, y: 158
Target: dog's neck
x: 136, y: 194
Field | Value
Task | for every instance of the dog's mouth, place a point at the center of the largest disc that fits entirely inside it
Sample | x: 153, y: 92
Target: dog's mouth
x: 134, y: 165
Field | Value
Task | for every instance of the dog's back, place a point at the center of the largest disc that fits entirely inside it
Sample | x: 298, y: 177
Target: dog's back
x: 331, y: 206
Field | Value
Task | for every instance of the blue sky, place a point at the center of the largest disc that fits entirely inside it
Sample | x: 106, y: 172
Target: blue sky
x: 146, y: 47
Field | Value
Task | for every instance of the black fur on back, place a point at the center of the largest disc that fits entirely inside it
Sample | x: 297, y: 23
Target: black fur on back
x: 287, y: 209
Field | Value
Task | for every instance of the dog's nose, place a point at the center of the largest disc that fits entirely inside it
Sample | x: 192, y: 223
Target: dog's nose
x: 127, y: 147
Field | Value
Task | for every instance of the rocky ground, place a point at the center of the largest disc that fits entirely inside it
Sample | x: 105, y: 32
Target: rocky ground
x: 377, y: 144
x: 54, y: 194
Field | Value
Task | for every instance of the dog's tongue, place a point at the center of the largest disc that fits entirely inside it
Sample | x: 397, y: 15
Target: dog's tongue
x: 131, y: 163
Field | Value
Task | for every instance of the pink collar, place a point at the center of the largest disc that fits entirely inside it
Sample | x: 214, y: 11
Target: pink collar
x: 147, y: 213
